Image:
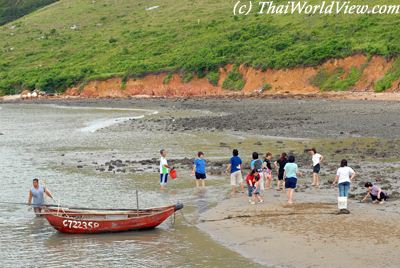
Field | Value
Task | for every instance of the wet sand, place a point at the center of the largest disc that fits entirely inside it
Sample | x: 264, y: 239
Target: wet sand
x: 280, y: 116
x: 309, y: 233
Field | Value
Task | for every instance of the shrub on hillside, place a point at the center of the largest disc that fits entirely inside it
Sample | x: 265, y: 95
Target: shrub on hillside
x: 186, y: 77
x: 167, y: 78
x: 265, y: 87
x: 392, y: 75
x: 112, y: 40
x: 337, y: 80
x: 234, y: 80
x: 213, y: 77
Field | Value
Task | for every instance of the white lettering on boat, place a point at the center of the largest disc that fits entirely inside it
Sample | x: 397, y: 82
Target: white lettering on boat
x: 80, y: 224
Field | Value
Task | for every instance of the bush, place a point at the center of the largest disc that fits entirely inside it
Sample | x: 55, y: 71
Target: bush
x: 234, y: 80
x: 124, y: 80
x: 186, y: 77
x: 213, y: 77
x: 383, y: 84
x: 265, y: 87
x: 167, y: 78
x: 112, y: 40
x: 392, y: 75
x: 56, y: 81
x: 337, y: 80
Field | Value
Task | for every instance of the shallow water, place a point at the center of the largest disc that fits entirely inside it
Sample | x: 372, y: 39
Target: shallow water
x: 49, y: 142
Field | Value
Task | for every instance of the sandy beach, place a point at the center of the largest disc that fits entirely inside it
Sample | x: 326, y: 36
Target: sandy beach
x: 308, y: 233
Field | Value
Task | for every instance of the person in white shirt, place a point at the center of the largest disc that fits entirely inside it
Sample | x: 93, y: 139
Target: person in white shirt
x: 164, y: 169
x: 316, y: 160
x: 344, y: 176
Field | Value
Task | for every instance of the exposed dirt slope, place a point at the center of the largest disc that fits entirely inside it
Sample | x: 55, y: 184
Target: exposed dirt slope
x: 286, y: 81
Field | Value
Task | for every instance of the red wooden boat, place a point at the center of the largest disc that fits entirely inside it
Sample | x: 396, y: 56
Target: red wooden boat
x: 87, y: 221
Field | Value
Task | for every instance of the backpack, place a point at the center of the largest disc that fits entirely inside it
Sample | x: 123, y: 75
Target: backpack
x: 258, y: 165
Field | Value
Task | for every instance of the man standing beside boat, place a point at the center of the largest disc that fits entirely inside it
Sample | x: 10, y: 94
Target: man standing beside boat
x: 36, y: 196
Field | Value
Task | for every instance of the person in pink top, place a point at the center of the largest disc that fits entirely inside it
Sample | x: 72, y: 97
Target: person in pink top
x: 376, y: 193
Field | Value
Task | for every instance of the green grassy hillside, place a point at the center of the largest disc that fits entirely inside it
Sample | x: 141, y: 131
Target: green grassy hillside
x: 13, y: 9
x: 75, y: 41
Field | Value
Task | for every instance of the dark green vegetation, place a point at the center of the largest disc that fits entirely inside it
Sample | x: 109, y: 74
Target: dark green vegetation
x: 391, y: 76
x: 213, y: 77
x: 266, y: 87
x: 13, y: 9
x: 336, y: 80
x: 186, y: 76
x: 234, y: 80
x: 75, y: 41
x: 167, y: 78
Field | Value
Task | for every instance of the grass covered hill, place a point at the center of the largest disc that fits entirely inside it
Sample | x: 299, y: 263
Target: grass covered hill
x: 13, y: 9
x: 74, y: 41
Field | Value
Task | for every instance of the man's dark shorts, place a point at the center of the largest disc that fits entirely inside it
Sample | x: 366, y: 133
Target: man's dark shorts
x: 200, y: 176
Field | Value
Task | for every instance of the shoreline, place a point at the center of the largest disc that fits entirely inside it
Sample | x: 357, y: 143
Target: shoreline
x: 343, y: 95
x: 306, y: 234
x: 271, y: 233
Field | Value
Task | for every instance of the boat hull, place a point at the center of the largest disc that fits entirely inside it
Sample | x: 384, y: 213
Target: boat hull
x: 84, y: 222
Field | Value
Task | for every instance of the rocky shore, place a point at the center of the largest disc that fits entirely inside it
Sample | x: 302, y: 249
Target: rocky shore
x: 308, y: 234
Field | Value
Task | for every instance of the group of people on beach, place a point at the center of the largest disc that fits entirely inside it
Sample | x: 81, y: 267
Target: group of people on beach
x: 260, y: 175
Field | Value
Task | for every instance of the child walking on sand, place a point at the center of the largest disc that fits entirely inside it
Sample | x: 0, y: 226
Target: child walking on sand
x: 267, y: 170
x: 280, y: 167
x: 199, y: 170
x: 290, y: 174
x: 253, y: 187
x: 235, y: 169
x: 164, y: 169
x: 316, y: 160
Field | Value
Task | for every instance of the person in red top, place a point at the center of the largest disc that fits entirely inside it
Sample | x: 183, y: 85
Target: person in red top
x: 253, y: 186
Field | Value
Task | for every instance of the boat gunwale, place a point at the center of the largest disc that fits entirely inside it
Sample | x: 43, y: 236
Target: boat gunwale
x: 167, y: 209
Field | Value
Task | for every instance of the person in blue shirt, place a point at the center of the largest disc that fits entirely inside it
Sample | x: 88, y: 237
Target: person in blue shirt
x: 257, y: 164
x: 36, y: 196
x: 235, y: 169
x: 199, y: 170
x: 291, y: 170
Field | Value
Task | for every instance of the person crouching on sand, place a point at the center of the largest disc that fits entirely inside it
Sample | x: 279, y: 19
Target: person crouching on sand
x: 290, y: 174
x: 164, y: 169
x: 376, y: 193
x: 253, y: 186
x: 199, y: 170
